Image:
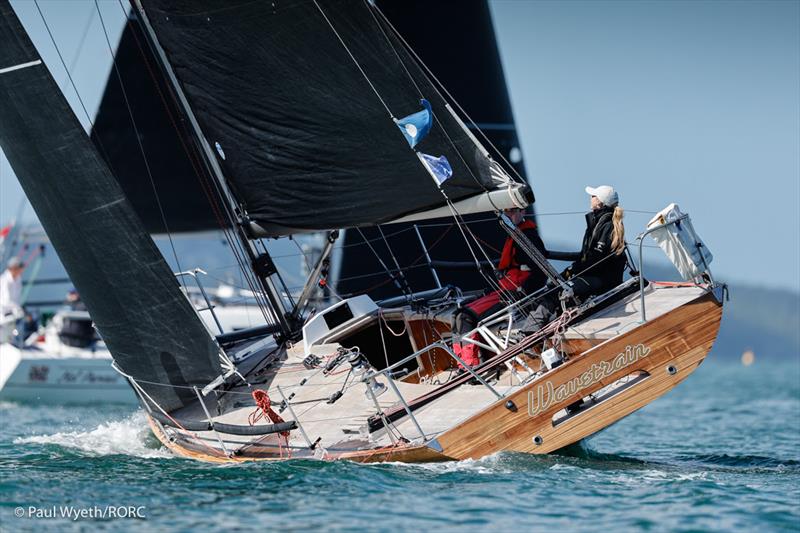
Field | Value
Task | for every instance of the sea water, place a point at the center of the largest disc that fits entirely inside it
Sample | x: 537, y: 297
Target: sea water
x: 721, y: 452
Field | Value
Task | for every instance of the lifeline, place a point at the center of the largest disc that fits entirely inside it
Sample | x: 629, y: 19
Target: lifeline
x: 537, y: 402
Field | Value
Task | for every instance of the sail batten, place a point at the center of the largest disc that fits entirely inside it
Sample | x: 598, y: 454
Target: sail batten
x: 148, y: 324
x: 299, y: 99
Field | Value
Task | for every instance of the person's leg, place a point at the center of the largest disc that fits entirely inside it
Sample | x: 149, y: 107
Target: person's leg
x: 543, y: 314
x: 585, y: 286
x: 465, y: 321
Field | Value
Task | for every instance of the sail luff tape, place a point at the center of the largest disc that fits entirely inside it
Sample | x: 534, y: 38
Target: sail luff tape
x: 21, y: 66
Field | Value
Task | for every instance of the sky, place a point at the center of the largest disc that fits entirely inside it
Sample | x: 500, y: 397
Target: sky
x: 696, y: 103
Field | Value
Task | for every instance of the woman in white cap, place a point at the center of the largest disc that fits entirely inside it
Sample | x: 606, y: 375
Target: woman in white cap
x: 599, y: 266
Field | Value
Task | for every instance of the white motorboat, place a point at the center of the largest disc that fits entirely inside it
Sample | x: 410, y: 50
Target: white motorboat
x: 65, y: 363
x: 68, y: 363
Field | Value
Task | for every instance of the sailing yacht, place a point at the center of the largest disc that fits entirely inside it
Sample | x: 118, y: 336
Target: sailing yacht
x: 309, y: 116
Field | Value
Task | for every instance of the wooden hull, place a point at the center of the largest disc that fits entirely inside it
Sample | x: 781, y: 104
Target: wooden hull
x: 660, y: 354
x: 678, y: 342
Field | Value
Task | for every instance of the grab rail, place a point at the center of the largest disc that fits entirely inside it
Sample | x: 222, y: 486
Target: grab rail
x: 369, y: 378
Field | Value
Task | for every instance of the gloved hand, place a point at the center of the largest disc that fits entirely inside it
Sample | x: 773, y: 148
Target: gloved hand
x: 567, y: 273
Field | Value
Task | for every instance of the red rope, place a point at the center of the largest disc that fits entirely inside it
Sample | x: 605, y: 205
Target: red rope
x: 264, y: 410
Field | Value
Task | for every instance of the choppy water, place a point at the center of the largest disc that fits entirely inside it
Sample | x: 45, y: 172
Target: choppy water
x: 721, y: 452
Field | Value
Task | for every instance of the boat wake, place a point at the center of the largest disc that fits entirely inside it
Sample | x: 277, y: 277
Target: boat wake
x: 129, y: 436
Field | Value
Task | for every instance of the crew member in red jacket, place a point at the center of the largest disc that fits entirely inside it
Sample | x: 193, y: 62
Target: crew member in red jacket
x: 520, y: 277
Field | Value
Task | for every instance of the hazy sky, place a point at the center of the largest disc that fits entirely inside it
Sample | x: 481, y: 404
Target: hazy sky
x: 690, y: 102
x: 696, y: 103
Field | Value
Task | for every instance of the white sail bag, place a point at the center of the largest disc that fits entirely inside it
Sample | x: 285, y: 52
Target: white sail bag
x: 680, y: 242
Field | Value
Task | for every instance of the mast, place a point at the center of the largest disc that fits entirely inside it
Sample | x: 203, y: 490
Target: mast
x: 261, y: 264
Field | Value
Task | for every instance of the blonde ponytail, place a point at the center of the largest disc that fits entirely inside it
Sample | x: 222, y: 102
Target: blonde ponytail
x: 618, y: 237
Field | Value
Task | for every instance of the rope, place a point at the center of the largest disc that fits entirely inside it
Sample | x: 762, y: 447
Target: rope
x: 264, y: 410
x: 382, y: 315
x: 383, y: 344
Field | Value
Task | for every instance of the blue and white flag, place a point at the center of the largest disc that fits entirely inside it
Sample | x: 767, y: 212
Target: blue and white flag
x: 417, y: 125
x: 438, y: 167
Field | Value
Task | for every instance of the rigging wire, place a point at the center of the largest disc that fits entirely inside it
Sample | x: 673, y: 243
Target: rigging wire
x: 441, y: 85
x: 196, y: 161
x: 459, y: 219
x: 385, y: 268
x: 139, y: 142
x: 71, y: 80
x: 492, y: 281
x: 396, y: 263
x: 347, y: 49
x: 84, y: 34
x: 419, y: 91
x: 369, y: 5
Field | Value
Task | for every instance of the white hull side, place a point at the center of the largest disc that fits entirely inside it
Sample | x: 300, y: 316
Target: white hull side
x: 35, y: 376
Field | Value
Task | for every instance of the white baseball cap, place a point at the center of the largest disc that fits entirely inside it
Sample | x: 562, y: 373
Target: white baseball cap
x: 604, y: 193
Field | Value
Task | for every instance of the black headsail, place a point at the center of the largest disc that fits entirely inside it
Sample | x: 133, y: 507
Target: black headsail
x: 149, y: 326
x: 180, y: 178
x: 298, y: 99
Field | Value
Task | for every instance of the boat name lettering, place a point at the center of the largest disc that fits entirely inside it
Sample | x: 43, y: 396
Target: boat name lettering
x: 83, y: 376
x: 545, y: 394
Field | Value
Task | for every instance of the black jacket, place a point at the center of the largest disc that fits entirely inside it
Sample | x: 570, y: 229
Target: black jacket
x: 593, y: 259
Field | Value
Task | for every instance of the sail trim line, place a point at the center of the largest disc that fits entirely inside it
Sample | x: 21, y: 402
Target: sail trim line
x: 20, y: 66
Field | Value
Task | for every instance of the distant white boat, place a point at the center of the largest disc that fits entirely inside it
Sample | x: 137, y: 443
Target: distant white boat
x: 67, y: 363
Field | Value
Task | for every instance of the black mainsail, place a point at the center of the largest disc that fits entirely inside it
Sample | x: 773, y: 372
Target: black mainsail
x: 464, y: 57
x: 149, y: 326
x: 298, y: 99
